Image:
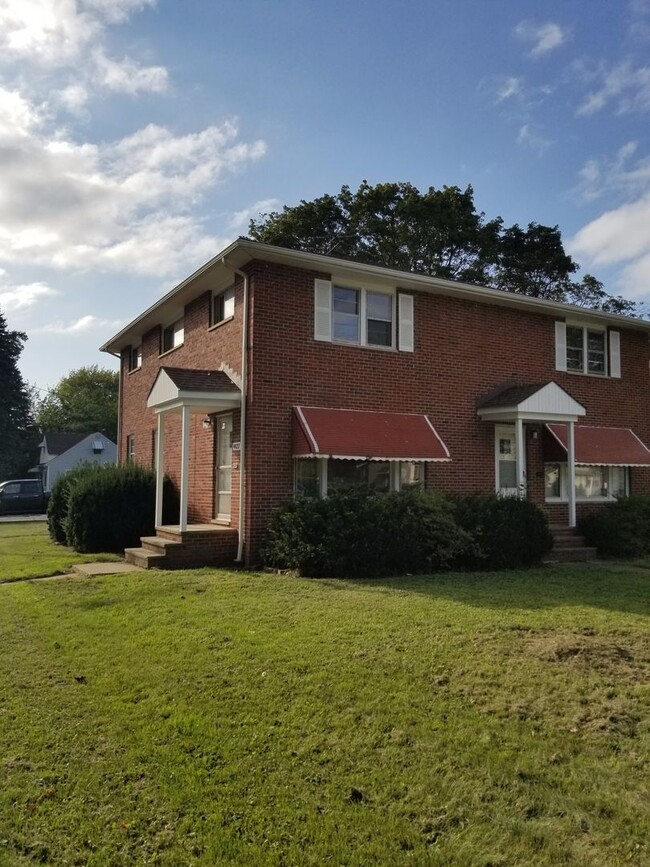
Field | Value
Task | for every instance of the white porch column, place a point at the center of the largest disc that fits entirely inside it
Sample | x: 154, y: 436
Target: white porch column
x: 185, y: 455
x: 520, y: 457
x: 571, y: 467
x: 160, y: 467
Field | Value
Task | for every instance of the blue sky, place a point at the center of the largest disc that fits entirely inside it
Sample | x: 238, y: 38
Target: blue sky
x: 137, y: 137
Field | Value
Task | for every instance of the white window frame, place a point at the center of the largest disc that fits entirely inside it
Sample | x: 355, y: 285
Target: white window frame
x: 611, y: 349
x: 225, y: 300
x: 395, y: 468
x: 177, y: 329
x: 362, y: 339
x: 135, y: 352
x: 130, y: 448
x: 564, y: 498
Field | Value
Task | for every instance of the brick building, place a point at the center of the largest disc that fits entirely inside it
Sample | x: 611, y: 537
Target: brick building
x: 271, y: 370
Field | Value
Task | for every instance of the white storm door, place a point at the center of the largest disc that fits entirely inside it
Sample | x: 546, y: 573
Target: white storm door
x: 505, y: 460
x: 223, y: 468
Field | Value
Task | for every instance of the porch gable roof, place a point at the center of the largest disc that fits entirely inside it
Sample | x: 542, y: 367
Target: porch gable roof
x: 535, y: 402
x: 201, y: 390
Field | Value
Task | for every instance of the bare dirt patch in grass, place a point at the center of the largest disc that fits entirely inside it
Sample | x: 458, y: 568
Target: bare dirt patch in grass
x: 624, y: 659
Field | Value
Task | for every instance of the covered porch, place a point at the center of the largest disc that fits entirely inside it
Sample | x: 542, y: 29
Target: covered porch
x: 187, y: 393
x: 515, y: 406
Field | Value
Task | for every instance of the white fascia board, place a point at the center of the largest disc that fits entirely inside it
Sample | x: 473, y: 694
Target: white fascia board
x: 511, y: 415
x: 200, y: 402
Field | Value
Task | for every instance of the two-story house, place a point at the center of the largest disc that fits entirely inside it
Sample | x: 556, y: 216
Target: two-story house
x: 271, y: 371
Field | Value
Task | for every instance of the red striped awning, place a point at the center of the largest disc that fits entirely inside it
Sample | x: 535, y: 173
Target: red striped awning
x: 604, y: 446
x: 353, y: 434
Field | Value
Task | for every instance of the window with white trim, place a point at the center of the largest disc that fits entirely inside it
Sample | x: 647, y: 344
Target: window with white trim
x: 135, y: 358
x: 130, y: 448
x: 172, y: 336
x: 222, y: 306
x: 315, y: 476
x: 363, y: 316
x: 593, y: 483
x: 586, y: 349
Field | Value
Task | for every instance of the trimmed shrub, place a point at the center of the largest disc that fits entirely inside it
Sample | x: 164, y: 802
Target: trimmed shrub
x: 107, y: 508
x: 57, y: 508
x: 354, y: 534
x: 620, y: 529
x: 508, y: 533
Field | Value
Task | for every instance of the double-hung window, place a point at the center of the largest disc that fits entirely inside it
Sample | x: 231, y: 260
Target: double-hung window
x: 587, y: 350
x: 378, y: 318
x: 135, y: 358
x: 172, y: 336
x: 362, y: 316
x: 223, y: 306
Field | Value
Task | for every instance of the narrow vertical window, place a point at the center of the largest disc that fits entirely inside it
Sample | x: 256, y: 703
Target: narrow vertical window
x: 379, y: 317
x: 574, y: 348
x: 345, y: 314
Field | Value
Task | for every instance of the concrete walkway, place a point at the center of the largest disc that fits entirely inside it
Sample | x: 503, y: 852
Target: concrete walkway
x: 91, y: 570
x: 21, y: 519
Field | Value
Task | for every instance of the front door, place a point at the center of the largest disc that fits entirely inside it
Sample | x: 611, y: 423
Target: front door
x: 223, y: 468
x: 505, y: 460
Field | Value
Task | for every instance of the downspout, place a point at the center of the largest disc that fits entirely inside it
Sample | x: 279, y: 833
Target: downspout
x: 242, y: 422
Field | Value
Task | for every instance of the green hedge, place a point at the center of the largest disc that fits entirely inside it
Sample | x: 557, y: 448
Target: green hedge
x: 508, y: 533
x: 353, y: 534
x: 107, y: 508
x: 621, y: 528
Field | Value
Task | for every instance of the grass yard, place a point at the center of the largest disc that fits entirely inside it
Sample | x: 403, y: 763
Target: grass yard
x: 26, y: 551
x: 216, y: 718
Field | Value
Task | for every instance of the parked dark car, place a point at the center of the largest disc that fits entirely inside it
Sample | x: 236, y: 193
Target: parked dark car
x: 22, y: 495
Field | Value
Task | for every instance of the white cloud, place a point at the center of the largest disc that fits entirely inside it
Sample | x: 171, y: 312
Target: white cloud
x: 626, y: 85
x: 507, y: 87
x: 543, y: 37
x: 127, y: 76
x: 74, y: 204
x: 78, y: 326
x: 240, y: 219
x: 73, y: 97
x: 616, y: 174
x: 619, y: 236
x: 21, y: 297
x: 532, y: 137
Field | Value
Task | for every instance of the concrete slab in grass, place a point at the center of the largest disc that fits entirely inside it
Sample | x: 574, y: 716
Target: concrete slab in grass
x: 92, y: 569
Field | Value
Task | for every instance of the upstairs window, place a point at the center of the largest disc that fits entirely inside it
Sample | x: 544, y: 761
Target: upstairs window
x: 135, y: 358
x: 585, y: 350
x: 223, y: 306
x: 172, y: 336
x: 364, y: 317
x: 591, y: 351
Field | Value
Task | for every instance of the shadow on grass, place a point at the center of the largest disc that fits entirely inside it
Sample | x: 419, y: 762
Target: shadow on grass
x: 609, y: 586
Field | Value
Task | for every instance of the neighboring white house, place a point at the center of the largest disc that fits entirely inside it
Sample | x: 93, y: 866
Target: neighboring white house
x: 61, y: 452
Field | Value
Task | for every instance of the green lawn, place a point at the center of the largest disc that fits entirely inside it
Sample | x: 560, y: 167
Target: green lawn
x: 217, y: 718
x: 27, y: 552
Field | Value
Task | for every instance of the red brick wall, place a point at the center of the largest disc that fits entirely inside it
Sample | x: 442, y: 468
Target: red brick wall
x: 203, y: 349
x: 463, y: 350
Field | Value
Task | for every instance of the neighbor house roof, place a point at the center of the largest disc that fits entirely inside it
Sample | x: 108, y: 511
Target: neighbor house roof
x: 57, y: 443
x: 217, y: 274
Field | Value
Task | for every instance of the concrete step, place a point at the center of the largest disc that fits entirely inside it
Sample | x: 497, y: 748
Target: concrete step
x: 145, y: 559
x: 578, y: 554
x: 159, y: 546
x: 568, y: 541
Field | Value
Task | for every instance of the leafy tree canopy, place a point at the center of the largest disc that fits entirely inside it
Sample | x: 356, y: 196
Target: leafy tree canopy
x: 84, y: 401
x: 17, y: 436
x: 439, y: 233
